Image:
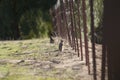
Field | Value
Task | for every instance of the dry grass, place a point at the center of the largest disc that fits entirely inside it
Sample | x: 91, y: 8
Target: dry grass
x: 37, y: 59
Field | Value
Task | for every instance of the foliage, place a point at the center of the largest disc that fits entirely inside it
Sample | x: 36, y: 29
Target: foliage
x: 34, y: 24
x: 98, y: 15
x: 12, y: 12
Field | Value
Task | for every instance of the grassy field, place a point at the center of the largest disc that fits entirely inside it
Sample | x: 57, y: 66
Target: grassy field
x: 13, y: 52
x: 11, y: 49
x: 37, y: 59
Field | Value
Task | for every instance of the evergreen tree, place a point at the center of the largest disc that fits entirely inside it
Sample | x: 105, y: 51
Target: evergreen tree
x: 11, y: 12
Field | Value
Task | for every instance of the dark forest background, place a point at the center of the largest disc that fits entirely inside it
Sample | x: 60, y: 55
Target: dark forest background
x: 25, y: 19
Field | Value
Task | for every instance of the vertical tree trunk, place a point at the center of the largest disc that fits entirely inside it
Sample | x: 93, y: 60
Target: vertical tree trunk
x: 63, y: 19
x: 72, y: 25
x: 15, y: 30
x: 15, y: 26
x: 93, y: 40
x: 85, y: 34
x: 66, y: 21
x: 111, y: 25
x: 79, y: 25
x: 75, y: 27
x: 58, y: 21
